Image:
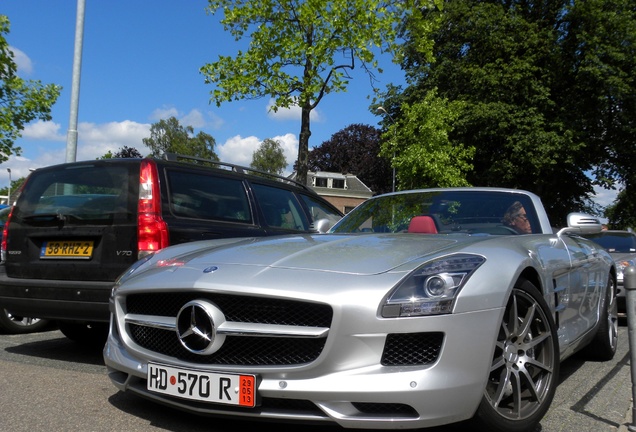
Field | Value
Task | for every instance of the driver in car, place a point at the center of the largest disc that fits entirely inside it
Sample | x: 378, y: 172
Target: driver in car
x: 517, y: 219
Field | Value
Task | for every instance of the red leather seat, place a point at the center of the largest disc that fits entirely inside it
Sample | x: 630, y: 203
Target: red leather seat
x: 422, y: 225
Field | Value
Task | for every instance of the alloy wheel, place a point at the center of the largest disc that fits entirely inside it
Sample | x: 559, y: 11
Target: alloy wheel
x: 522, y: 372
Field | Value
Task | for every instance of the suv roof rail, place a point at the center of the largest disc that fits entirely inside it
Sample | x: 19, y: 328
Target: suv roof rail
x: 174, y: 157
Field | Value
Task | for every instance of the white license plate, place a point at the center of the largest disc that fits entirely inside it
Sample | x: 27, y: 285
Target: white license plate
x: 198, y: 385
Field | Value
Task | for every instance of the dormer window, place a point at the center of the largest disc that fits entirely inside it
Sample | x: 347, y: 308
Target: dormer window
x: 320, y: 182
x: 338, y: 183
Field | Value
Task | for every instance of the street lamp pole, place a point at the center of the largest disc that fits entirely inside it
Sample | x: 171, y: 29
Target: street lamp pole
x: 9, y: 193
x: 71, y: 136
x: 381, y: 109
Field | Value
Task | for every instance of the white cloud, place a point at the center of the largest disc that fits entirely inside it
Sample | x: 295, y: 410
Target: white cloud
x: 96, y: 140
x: 93, y: 141
x: 292, y: 113
x: 46, y: 157
x: 289, y: 143
x: 21, y: 166
x: 604, y: 197
x: 194, y: 118
x: 238, y: 150
x: 216, y: 122
x: 164, y: 113
x: 43, y: 130
x: 23, y: 61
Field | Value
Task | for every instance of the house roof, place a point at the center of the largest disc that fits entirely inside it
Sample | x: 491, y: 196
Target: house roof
x: 354, y: 186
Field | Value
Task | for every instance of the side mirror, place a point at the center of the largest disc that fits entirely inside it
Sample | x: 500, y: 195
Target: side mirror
x: 321, y: 225
x: 582, y: 223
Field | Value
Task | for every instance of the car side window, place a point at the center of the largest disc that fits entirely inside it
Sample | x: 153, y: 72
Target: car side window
x: 204, y: 196
x: 280, y: 208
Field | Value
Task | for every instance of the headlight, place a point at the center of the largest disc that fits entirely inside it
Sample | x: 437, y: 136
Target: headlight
x: 621, y: 265
x: 432, y: 288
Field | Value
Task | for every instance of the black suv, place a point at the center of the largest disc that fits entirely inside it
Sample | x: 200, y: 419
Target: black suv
x: 76, y: 227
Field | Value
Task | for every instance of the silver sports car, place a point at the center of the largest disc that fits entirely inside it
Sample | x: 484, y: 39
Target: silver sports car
x: 417, y: 309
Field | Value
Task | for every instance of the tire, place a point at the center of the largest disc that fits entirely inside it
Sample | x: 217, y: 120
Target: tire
x: 525, y: 367
x: 13, y: 324
x: 603, y: 346
x: 85, y: 333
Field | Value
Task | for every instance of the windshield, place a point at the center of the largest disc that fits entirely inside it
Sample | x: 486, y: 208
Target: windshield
x: 615, y: 242
x: 467, y: 211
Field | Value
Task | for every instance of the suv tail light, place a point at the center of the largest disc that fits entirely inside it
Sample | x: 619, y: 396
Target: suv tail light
x: 5, y: 228
x: 152, y: 230
x: 3, y: 245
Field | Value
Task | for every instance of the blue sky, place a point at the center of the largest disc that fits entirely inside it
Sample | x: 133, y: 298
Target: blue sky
x: 140, y: 64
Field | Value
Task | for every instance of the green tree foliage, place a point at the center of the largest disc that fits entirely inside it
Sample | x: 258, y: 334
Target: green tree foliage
x: 21, y: 101
x: 169, y: 136
x: 547, y: 88
x: 127, y: 152
x: 300, y: 50
x: 354, y: 150
x: 269, y: 157
x: 601, y: 44
x: 622, y: 214
x: 123, y: 152
x: 15, y: 188
x: 419, y: 146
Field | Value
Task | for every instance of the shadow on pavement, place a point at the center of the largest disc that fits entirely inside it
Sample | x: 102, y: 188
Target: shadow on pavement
x: 60, y: 349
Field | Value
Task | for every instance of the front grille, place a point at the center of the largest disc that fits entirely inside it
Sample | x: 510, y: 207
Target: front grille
x: 262, y: 351
x: 411, y: 349
x: 236, y: 350
x: 236, y: 308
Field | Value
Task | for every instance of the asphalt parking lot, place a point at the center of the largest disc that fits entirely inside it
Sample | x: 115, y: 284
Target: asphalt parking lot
x: 50, y: 383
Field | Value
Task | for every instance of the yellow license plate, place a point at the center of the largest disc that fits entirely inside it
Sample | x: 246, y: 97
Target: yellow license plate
x: 67, y: 249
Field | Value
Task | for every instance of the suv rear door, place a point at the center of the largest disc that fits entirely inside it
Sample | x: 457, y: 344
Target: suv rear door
x: 206, y: 204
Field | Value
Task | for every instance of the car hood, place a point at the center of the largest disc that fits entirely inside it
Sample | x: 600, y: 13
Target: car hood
x: 353, y: 254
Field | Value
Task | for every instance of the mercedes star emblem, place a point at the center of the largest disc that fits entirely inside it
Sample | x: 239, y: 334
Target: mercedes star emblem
x: 197, y: 324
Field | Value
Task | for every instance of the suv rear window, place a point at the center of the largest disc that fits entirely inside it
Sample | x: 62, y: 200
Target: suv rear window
x: 79, y: 194
x: 319, y: 210
x: 204, y: 196
x: 280, y: 208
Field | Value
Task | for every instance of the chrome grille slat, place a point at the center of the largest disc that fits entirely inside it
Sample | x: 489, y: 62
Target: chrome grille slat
x: 233, y: 328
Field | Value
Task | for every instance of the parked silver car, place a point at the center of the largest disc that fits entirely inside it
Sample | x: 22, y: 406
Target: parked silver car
x: 621, y: 245
x: 417, y: 309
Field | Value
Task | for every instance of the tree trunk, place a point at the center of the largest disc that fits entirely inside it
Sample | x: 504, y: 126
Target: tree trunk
x: 303, y: 144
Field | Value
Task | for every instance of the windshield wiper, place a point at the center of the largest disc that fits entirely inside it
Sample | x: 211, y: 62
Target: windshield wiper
x: 50, y: 217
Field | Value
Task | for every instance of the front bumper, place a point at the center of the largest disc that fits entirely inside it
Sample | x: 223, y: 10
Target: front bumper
x: 347, y: 384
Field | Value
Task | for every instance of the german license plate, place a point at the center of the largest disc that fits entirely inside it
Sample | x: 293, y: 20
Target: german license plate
x: 67, y: 249
x: 221, y: 388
